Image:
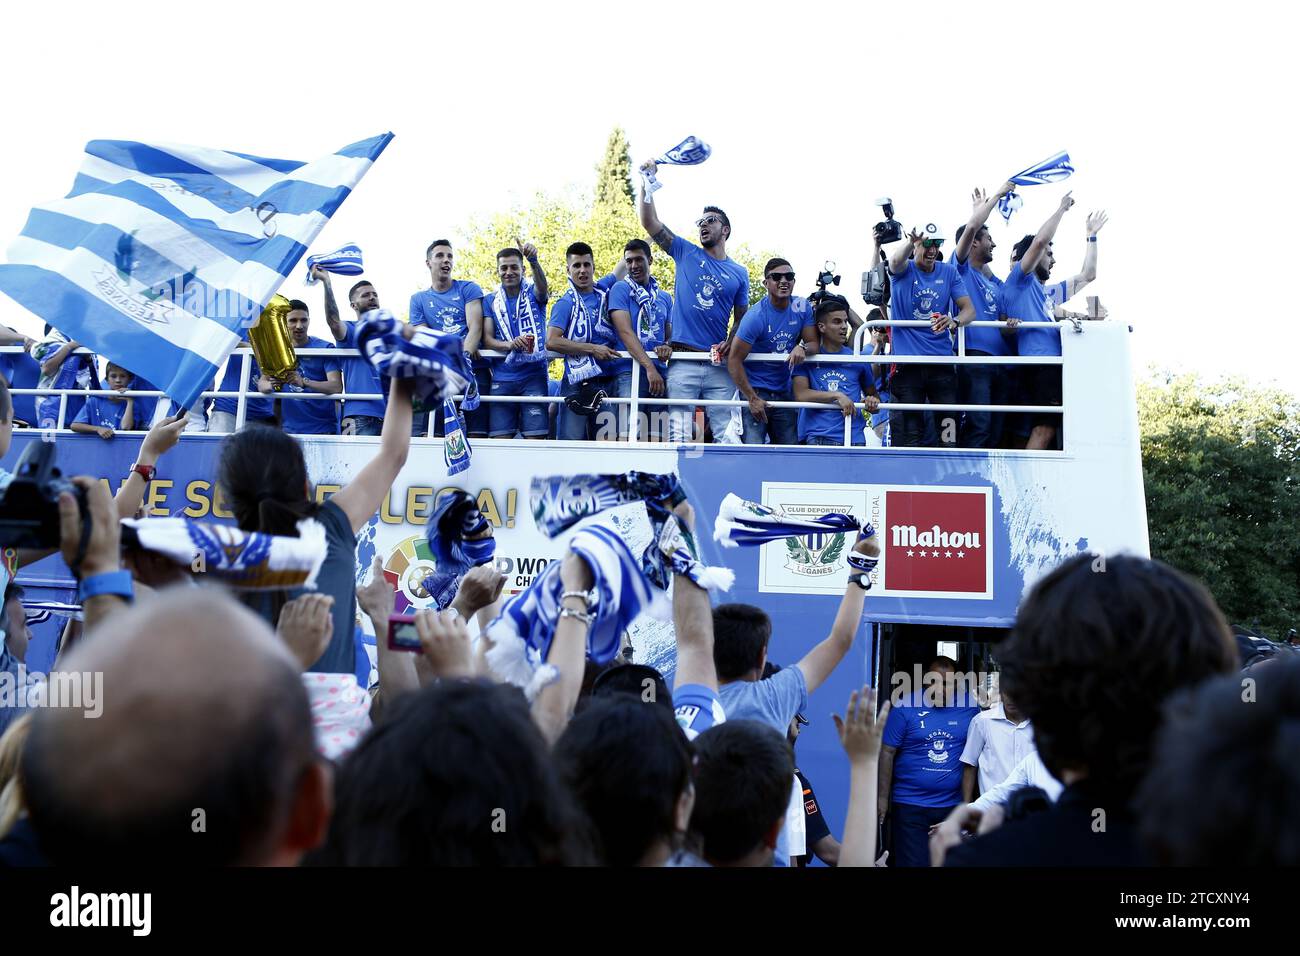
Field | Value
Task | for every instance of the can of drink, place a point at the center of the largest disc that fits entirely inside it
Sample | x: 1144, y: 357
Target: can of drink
x: 531, y: 340
x: 715, y: 353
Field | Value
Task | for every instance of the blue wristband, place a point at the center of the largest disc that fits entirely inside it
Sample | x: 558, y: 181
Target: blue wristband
x: 1092, y: 238
x: 112, y: 582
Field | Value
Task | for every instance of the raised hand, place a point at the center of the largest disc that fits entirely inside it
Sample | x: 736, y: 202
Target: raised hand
x: 1005, y: 189
x: 162, y: 437
x: 650, y: 166
x: 319, y: 272
x: 479, y: 587
x: 445, y: 641
x: 1067, y: 201
x: 376, y: 598
x: 861, y: 729
x: 306, y: 626
x: 528, y: 249
x: 1095, y: 221
x: 978, y: 197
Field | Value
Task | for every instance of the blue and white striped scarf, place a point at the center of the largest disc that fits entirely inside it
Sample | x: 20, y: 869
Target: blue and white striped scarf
x: 343, y: 261
x: 583, y: 328
x: 524, y: 323
x: 455, y: 516
x: 744, y: 523
x: 645, y: 296
x: 245, y: 560
x: 521, y: 635
x: 456, y: 450
x: 689, y: 152
x: 436, y: 361
x: 1051, y: 170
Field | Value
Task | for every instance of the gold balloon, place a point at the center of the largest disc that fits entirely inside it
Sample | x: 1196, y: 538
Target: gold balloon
x: 272, y: 344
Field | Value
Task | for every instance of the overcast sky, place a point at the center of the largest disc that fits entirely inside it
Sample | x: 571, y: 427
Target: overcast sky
x: 1179, y: 119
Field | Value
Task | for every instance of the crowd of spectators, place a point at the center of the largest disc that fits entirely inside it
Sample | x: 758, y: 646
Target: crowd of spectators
x: 688, y: 345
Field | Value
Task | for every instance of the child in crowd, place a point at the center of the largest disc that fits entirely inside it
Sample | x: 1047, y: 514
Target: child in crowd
x: 104, y: 415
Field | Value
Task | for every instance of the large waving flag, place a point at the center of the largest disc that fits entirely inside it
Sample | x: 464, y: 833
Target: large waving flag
x: 162, y: 253
x: 1051, y: 170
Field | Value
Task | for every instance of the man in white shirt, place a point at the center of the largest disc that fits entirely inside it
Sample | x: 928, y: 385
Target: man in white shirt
x: 998, y: 739
x: 1030, y: 772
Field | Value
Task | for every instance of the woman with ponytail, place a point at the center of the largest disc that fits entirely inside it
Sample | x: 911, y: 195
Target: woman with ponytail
x: 263, y: 477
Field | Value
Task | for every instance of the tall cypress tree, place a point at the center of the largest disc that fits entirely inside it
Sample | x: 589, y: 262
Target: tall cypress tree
x: 614, y: 174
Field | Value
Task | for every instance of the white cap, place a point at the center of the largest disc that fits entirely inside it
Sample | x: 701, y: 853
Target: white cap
x: 930, y: 231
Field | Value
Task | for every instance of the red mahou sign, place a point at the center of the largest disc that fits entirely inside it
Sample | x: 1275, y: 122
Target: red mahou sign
x: 936, y: 541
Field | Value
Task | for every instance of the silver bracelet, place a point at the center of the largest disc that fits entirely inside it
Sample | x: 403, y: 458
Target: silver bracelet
x: 582, y: 616
x: 584, y: 595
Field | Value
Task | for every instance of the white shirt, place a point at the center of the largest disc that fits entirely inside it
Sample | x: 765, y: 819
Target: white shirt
x: 995, y: 745
x: 1030, y: 772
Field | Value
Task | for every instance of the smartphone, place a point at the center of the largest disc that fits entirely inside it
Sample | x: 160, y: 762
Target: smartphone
x: 401, y: 633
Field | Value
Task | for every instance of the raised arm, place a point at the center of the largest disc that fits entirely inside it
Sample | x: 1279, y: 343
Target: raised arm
x: 661, y: 235
x: 979, y: 215
x: 860, y: 734
x: 51, y: 364
x: 1089, y: 272
x: 568, y: 652
x: 692, y: 623
x: 539, y: 275
x: 818, y: 663
x: 1045, y: 234
x: 363, y: 495
x: 911, y: 245
x: 337, y: 328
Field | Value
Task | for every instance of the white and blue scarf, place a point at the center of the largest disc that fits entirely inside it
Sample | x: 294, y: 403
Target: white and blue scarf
x: 455, y: 517
x: 645, y: 296
x: 524, y: 323
x: 689, y: 152
x: 343, y: 261
x: 1051, y: 170
x: 245, y: 560
x: 456, y: 450
x: 744, y: 523
x: 584, y: 328
x: 436, y: 361
x: 521, y: 635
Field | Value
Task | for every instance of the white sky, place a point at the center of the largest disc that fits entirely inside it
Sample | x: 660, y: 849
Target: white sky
x: 1180, y: 120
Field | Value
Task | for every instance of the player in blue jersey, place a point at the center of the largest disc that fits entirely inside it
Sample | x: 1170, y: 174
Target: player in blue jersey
x: 1029, y: 296
x: 454, y: 306
x: 641, y: 313
x: 983, y: 384
x: 839, y: 383
x: 923, y: 288
x: 321, y: 374
x: 514, y: 321
x: 580, y: 330
x: 361, y: 416
x: 710, y: 290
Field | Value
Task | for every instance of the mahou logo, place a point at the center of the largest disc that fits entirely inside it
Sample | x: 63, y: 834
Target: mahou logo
x: 937, y: 541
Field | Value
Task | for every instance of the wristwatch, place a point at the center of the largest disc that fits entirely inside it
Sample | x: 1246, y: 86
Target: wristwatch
x: 147, y: 472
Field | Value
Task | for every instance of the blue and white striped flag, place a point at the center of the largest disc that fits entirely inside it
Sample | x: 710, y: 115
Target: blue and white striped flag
x: 161, y: 253
x: 1051, y: 170
x: 343, y: 261
x: 689, y: 152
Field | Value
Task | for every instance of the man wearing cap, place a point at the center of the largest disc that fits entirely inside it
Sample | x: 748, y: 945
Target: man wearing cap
x: 710, y: 288
x: 922, y: 288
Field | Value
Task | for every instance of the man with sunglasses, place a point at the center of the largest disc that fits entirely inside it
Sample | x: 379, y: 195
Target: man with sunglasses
x: 779, y: 322
x: 709, y: 290
x: 922, y: 288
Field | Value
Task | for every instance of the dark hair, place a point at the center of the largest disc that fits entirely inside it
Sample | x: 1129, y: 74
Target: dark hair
x: 640, y: 245
x: 1222, y: 788
x: 633, y: 680
x: 6, y: 401
x: 435, y: 244
x: 262, y: 474
x: 109, y: 366
x: 743, y: 774
x: 1021, y: 247
x: 456, y: 774
x: 353, y: 290
x: 628, y: 764
x: 245, y: 793
x: 721, y: 215
x: 578, y: 249
x: 510, y: 253
x: 876, y: 315
x: 740, y: 635
x: 297, y: 305
x: 829, y: 304
x: 772, y: 264
x: 1097, y: 647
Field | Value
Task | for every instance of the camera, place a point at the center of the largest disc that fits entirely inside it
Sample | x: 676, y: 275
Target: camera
x: 824, y: 278
x: 29, y: 503
x: 875, y: 284
x: 891, y: 230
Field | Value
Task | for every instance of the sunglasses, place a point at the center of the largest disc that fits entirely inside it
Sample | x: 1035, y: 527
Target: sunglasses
x: 781, y: 276
x: 931, y: 243
x: 707, y: 220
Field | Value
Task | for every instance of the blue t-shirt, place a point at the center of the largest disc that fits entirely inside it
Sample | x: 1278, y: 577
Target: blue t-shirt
x: 360, y: 378
x: 930, y: 741
x: 100, y: 411
x: 144, y: 407
x: 602, y: 332
x: 915, y: 295
x: 705, y: 292
x: 502, y: 370
x: 986, y: 296
x: 768, y: 329
x: 253, y: 407
x: 21, y: 371
x: 1025, y: 298
x: 445, y: 311
x: 315, y: 416
x: 651, y: 333
x: 773, y: 701
x: 854, y: 380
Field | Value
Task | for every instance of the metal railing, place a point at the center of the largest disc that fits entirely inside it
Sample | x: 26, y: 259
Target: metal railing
x: 636, y: 398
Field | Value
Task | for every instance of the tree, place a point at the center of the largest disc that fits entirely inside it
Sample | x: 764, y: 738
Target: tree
x: 605, y: 221
x: 1220, y: 463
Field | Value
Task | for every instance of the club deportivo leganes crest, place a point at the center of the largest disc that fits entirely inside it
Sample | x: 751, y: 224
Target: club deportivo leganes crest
x: 815, y: 555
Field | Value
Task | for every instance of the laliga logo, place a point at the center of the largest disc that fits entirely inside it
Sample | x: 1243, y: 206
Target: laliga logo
x: 405, y: 570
